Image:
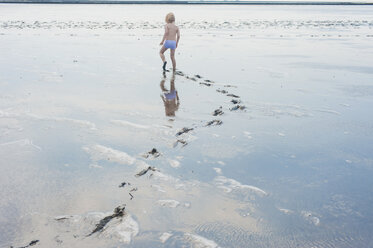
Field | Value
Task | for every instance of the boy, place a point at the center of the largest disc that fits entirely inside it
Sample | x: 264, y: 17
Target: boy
x: 170, y: 40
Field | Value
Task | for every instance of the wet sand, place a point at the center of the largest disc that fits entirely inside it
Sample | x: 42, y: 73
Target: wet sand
x: 269, y: 145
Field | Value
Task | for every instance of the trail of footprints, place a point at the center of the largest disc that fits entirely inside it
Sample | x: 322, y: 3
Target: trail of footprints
x: 154, y: 153
x: 235, y: 100
x: 223, y: 233
x: 119, y: 212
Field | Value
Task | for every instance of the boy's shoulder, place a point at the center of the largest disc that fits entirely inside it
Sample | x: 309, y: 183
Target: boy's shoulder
x: 171, y: 25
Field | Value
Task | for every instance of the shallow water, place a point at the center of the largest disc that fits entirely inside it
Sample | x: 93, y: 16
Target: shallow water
x: 81, y: 107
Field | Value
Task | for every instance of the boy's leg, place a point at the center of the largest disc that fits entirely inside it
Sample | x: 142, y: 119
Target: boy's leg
x: 172, y: 82
x: 162, y: 85
x: 172, y: 55
x: 161, y: 53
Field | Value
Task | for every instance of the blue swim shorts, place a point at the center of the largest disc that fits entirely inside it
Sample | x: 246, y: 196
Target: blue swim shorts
x: 171, y: 95
x: 170, y: 44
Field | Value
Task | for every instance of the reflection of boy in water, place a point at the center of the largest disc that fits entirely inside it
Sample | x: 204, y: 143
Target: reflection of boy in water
x: 170, y: 97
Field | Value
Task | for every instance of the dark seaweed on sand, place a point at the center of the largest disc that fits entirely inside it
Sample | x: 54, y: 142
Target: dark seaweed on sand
x: 118, y: 212
x: 34, y: 242
x: 236, y: 107
x: 184, y: 130
x: 153, y: 153
x: 234, y: 101
x: 180, y: 73
x: 144, y: 171
x: 207, y: 84
x: 214, y: 123
x: 183, y: 142
x: 218, y: 111
x: 222, y: 91
x: 124, y: 184
x: 233, y: 95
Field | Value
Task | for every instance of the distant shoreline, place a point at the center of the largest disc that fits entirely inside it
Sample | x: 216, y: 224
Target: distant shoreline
x: 183, y: 2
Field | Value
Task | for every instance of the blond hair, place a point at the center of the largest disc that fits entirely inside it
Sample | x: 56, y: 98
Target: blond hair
x: 170, y: 17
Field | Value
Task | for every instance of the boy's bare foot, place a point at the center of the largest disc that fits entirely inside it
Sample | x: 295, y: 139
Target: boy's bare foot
x: 164, y: 65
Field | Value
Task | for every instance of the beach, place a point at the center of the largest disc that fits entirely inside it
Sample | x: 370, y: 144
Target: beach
x: 270, y: 144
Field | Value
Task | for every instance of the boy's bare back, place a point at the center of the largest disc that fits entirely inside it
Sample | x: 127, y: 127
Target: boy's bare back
x: 171, y: 31
x: 170, y: 40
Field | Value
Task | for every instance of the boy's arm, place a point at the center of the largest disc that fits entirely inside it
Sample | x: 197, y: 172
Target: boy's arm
x: 165, y: 34
x: 177, y: 36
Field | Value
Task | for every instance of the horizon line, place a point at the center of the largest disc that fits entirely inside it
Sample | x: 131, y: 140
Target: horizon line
x: 224, y: 2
